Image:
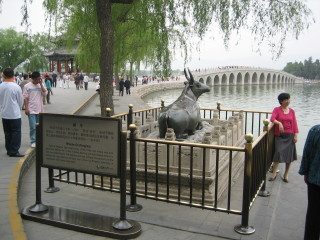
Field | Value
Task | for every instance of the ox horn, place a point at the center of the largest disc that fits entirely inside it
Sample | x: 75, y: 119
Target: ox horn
x: 191, y: 76
x: 187, y: 77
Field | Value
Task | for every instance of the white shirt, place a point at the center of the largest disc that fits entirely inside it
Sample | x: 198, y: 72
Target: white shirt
x: 11, y: 100
x: 85, y: 78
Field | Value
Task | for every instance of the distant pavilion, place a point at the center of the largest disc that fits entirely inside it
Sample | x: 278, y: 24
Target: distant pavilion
x: 61, y: 59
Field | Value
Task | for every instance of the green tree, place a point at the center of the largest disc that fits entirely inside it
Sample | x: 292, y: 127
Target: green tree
x: 39, y: 43
x: 12, y: 48
x: 172, y: 23
x: 17, y: 47
x: 308, y: 69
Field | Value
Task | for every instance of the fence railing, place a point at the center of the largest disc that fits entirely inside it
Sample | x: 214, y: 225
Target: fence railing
x: 253, y: 120
x: 195, y: 175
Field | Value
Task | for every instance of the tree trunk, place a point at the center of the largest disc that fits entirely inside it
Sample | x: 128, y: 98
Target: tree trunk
x: 131, y: 73
x: 106, y: 54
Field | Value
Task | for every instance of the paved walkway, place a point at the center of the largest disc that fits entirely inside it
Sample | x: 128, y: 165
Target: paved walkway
x: 278, y: 217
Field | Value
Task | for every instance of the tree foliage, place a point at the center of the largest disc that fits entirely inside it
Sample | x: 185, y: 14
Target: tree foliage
x: 13, y: 48
x: 113, y: 34
x: 308, y: 69
x: 17, y: 47
x: 162, y: 26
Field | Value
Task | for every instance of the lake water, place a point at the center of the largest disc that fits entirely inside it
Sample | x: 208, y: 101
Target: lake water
x: 305, y: 100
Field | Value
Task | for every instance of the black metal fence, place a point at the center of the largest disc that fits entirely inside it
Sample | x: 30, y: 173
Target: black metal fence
x: 195, y: 175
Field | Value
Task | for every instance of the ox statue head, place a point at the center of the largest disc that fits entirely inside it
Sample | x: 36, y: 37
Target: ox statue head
x: 196, y: 87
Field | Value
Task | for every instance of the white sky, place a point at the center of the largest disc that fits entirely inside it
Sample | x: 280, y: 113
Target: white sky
x: 212, y: 52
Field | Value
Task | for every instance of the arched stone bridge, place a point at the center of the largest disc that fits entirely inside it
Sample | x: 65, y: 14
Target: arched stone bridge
x: 244, y: 75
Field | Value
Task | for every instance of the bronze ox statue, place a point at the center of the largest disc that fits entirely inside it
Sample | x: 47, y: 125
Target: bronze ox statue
x: 183, y: 115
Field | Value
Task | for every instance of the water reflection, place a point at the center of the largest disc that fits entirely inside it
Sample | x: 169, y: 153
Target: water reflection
x: 304, y: 100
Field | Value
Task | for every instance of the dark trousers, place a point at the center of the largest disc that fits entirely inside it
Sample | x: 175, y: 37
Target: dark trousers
x: 128, y: 90
x: 312, y: 228
x: 48, y: 95
x: 85, y: 85
x: 12, y: 133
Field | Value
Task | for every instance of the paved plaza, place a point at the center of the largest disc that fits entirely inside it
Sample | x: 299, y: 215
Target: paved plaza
x: 278, y: 217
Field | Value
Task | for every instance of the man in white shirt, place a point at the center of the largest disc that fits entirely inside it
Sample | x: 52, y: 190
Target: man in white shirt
x: 66, y: 80
x: 86, y: 81
x: 11, y: 101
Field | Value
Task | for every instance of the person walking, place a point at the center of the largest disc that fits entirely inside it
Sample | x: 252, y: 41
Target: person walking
x: 33, y: 93
x: 81, y: 80
x: 54, y: 80
x: 86, y: 81
x: 286, y: 135
x: 310, y: 168
x: 23, y: 83
x: 49, y: 89
x: 77, y: 81
x: 11, y: 101
x: 121, y: 87
x: 66, y: 80
x: 127, y: 84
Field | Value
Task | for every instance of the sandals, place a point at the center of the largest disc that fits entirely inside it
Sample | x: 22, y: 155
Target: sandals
x: 271, y: 179
x: 285, y: 180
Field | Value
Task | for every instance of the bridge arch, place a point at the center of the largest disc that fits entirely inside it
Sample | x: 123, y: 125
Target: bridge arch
x: 247, y: 78
x: 224, y: 79
x: 254, y: 79
x: 268, y: 78
x: 201, y: 80
x: 231, y: 79
x: 239, y: 79
x: 209, y: 81
x: 262, y: 79
x: 216, y: 80
x: 274, y: 78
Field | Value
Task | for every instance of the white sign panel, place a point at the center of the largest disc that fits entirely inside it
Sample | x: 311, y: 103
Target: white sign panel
x: 88, y: 144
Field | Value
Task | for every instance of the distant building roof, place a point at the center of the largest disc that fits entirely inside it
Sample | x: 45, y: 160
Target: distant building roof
x: 62, y: 53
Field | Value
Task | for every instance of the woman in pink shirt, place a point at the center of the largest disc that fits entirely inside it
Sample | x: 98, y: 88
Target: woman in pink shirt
x: 286, y: 135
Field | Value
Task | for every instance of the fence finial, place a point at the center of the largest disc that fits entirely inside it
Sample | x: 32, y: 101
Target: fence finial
x: 218, y: 105
x: 132, y: 127
x: 108, y: 110
x: 248, y: 137
x: 266, y: 122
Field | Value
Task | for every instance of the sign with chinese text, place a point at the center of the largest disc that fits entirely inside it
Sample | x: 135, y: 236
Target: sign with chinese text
x: 81, y: 143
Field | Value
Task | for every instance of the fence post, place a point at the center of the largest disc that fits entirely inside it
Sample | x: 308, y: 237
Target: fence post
x: 108, y: 110
x: 122, y: 223
x: 162, y: 103
x: 263, y: 192
x: 133, y: 207
x: 38, y: 207
x: 244, y: 227
x: 51, y: 188
x: 130, y: 116
x: 219, y: 107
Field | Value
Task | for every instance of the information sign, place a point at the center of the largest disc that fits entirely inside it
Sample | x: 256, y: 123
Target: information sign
x: 81, y: 143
